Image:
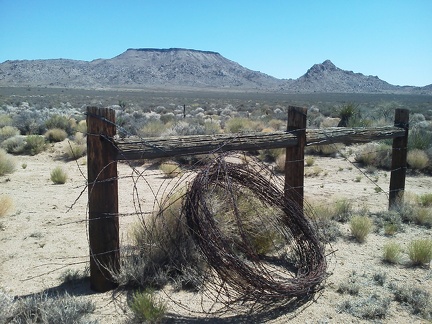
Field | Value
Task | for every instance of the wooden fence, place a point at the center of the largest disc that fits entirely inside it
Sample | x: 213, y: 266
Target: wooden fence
x: 103, y: 153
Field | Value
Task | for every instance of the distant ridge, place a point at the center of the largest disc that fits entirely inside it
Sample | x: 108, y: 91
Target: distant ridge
x: 174, y: 49
x: 179, y: 68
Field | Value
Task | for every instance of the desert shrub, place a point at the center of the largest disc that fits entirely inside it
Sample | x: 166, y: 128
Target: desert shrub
x: 55, y: 135
x: 58, y: 175
x: 80, y: 139
x: 163, y: 249
x: 74, y: 150
x: 14, y: 145
x: 325, y: 150
x: 5, y: 205
x: 425, y: 200
x: 377, y: 155
x: 240, y: 125
x: 185, y: 127
x: 61, y: 122
x: 5, y: 120
x: 372, y: 307
x: 417, y: 299
x: 7, y: 164
x: 360, y: 227
x: 389, y: 220
x: 419, y: 139
x: 147, y: 308
x: 43, y: 308
x: 280, y: 163
x: 29, y: 122
x: 420, y: 251
x: 170, y: 169
x: 391, y: 252
x: 271, y: 155
x: 422, y: 216
x: 417, y: 159
x: 351, y: 286
x: 212, y: 127
x: 152, y: 128
x: 7, y: 132
x: 82, y: 126
x: 343, y: 210
x: 310, y: 160
x: 34, y: 144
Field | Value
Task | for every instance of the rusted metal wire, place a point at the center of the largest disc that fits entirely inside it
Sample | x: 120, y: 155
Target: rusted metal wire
x: 240, y: 275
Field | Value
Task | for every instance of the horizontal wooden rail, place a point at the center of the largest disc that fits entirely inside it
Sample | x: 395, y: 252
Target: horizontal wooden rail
x: 150, y: 148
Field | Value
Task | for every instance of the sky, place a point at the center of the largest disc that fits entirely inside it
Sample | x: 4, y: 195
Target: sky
x: 391, y: 39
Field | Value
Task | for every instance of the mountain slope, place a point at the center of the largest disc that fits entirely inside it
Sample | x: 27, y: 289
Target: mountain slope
x: 177, y: 68
x: 138, y: 68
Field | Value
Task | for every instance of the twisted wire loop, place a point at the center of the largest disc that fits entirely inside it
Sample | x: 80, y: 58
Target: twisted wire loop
x: 270, y: 259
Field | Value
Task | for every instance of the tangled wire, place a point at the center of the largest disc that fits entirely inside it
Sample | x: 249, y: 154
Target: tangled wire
x: 259, y: 244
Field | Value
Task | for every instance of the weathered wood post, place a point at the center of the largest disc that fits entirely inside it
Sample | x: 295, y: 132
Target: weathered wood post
x: 399, y: 159
x: 294, y: 162
x: 102, y: 198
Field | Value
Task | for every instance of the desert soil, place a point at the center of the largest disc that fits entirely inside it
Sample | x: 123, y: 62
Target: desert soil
x: 43, y: 237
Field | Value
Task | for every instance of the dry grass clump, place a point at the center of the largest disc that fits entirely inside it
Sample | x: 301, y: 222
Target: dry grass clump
x: 6, y: 205
x: 392, y: 252
x: 170, y: 169
x: 420, y: 251
x: 343, y: 210
x: 325, y: 150
x: 327, y: 228
x: 425, y: 200
x: 58, y: 175
x: 7, y: 132
x: 162, y: 250
x: 7, y: 164
x: 55, y: 135
x: 417, y: 159
x: 360, y: 227
x: 75, y: 150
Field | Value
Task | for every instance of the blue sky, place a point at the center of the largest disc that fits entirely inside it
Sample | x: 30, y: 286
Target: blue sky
x: 390, y: 39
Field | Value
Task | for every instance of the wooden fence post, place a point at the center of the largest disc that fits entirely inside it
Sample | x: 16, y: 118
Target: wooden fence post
x: 102, y: 198
x: 294, y: 162
x: 399, y: 159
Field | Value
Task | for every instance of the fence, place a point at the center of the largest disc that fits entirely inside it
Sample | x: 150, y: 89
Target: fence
x: 103, y: 153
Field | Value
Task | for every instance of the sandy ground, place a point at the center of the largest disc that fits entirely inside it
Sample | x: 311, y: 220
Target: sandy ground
x: 42, y: 237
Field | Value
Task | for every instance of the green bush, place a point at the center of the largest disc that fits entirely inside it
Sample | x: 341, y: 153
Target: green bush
x: 420, y: 251
x: 425, y: 199
x: 7, y: 164
x: 55, y: 135
x: 34, y: 144
x: 58, y: 176
x: 360, y: 227
x: 147, y: 308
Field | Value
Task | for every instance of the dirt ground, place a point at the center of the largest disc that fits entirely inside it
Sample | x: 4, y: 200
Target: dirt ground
x: 43, y: 237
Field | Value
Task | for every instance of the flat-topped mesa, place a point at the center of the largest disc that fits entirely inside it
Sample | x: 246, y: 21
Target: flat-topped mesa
x: 174, y: 49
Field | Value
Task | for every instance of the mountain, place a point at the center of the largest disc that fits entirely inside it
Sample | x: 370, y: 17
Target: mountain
x: 178, y: 68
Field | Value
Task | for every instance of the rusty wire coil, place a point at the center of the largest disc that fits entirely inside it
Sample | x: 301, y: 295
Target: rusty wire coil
x: 295, y: 267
